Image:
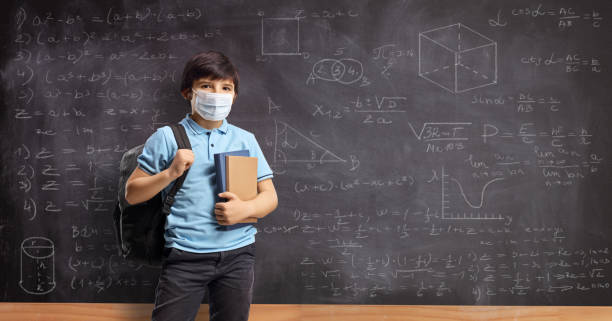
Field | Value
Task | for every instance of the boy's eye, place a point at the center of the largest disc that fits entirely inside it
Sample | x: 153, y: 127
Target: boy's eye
x: 205, y: 86
x: 227, y: 88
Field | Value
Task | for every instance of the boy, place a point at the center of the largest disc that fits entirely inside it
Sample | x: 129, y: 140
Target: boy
x: 201, y: 252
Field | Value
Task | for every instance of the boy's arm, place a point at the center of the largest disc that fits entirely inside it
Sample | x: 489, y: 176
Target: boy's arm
x: 236, y: 210
x: 266, y: 200
x: 141, y: 186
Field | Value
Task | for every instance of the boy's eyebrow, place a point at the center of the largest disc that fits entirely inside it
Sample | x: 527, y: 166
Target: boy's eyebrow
x: 210, y: 81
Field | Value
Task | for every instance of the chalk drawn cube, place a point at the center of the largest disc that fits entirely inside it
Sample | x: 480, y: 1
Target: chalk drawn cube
x: 457, y: 58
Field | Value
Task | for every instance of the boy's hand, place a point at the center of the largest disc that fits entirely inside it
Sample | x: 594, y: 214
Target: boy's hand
x: 232, y: 211
x: 182, y: 161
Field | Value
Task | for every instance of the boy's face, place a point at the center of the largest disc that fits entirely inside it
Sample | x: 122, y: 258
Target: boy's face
x: 223, y: 86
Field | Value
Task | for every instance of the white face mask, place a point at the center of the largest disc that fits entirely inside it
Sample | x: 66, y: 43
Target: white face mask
x: 212, y: 106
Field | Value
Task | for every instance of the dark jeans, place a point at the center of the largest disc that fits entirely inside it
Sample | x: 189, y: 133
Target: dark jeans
x: 185, y: 277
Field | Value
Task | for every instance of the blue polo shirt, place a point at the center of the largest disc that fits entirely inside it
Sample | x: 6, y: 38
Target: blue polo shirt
x: 191, y: 225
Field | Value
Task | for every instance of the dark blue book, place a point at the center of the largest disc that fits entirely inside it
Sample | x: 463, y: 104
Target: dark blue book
x: 220, y: 168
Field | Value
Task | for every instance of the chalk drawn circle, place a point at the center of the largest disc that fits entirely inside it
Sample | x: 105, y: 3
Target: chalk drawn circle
x: 323, y: 69
x: 345, y: 71
x: 336, y: 72
x: 353, y: 73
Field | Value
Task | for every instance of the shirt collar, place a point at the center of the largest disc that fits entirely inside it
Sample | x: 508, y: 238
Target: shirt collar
x: 199, y: 130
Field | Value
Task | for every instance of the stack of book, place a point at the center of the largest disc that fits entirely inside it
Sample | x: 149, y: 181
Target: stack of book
x: 237, y: 173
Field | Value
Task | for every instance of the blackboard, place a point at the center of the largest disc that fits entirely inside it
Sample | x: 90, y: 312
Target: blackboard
x: 424, y: 152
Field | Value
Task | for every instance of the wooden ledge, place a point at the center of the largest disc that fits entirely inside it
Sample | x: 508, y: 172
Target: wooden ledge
x: 295, y: 312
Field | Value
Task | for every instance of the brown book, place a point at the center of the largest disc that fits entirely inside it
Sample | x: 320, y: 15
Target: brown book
x: 241, y: 179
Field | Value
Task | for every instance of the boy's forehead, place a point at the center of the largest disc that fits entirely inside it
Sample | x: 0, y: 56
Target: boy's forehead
x: 227, y: 81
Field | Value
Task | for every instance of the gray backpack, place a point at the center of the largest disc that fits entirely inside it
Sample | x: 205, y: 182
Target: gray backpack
x: 139, y: 228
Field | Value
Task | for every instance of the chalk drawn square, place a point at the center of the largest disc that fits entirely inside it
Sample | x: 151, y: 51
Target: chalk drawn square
x: 280, y: 36
x: 457, y: 58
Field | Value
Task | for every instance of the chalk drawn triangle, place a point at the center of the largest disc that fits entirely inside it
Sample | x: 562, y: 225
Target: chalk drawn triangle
x: 292, y: 146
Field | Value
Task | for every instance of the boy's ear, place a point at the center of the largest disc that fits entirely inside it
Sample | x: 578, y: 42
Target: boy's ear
x: 186, y: 93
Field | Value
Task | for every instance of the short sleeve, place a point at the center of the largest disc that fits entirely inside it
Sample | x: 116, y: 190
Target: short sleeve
x: 263, y: 169
x: 154, y: 156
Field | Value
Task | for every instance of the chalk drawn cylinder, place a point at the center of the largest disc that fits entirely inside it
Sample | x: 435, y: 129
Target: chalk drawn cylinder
x: 37, y: 265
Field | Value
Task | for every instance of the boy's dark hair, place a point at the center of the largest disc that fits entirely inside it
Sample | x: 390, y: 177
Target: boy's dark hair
x: 209, y: 64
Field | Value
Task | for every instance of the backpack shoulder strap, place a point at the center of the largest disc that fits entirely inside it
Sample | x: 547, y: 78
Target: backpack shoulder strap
x: 182, y: 141
x: 181, y: 136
